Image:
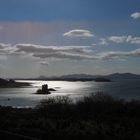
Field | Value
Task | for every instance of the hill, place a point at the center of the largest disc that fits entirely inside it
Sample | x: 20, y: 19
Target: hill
x: 123, y: 76
x: 4, y: 83
x: 88, y: 77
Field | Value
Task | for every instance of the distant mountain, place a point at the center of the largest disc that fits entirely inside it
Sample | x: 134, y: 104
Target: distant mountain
x: 88, y: 77
x: 69, y: 77
x: 79, y: 76
x: 110, y: 76
x: 123, y: 76
x: 45, y: 77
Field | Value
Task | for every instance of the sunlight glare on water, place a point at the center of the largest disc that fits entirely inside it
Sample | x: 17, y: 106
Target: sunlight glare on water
x: 25, y: 96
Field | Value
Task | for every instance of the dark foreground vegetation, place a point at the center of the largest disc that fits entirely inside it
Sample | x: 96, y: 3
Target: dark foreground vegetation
x: 98, y: 117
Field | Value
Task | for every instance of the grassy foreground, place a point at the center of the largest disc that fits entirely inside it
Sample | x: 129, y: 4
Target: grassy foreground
x: 97, y: 117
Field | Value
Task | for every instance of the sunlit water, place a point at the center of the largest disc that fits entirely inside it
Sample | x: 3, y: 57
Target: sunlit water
x: 26, y: 97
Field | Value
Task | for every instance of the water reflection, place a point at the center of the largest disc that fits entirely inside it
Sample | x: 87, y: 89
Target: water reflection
x: 26, y: 96
x: 23, y: 97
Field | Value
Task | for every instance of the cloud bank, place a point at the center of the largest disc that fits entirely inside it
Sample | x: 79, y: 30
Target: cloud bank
x: 78, y: 33
x: 63, y: 52
x: 110, y: 55
x: 56, y: 52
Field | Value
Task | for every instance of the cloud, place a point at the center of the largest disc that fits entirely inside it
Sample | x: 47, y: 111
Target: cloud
x: 5, y: 49
x: 64, y: 55
x: 110, y: 55
x: 44, y: 63
x: 44, y: 53
x: 78, y: 33
x: 125, y: 39
x: 118, y: 39
x: 134, y: 40
x: 47, y: 52
x: 135, y: 15
x: 73, y: 52
x: 31, y: 48
x: 57, y: 52
x: 102, y: 42
x: 3, y: 46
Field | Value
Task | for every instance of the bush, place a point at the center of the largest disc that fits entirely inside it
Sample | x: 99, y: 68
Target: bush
x: 98, y: 116
x: 58, y: 100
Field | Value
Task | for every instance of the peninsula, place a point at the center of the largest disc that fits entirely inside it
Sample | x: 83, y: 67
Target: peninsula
x: 4, y: 83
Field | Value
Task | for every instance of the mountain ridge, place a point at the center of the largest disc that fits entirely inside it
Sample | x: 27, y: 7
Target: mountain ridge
x: 112, y: 76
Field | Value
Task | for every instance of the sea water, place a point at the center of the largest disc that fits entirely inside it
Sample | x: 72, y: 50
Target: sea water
x: 26, y: 97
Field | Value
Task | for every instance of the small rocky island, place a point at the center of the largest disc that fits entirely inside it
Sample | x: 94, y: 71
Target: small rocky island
x: 45, y: 90
x: 4, y: 83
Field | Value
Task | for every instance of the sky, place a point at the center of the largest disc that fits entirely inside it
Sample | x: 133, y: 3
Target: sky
x: 58, y: 37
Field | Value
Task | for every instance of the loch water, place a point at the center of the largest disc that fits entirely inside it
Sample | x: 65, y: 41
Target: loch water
x: 26, y: 97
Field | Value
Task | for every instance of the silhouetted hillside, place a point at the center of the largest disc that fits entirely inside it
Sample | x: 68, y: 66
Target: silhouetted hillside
x: 88, y: 77
x: 11, y: 83
x: 123, y: 76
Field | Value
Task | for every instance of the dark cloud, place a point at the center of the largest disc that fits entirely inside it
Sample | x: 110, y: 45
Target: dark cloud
x: 110, y: 55
x: 63, y: 52
x: 64, y: 55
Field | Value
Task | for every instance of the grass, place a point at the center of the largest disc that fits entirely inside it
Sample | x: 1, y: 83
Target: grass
x: 97, y: 117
